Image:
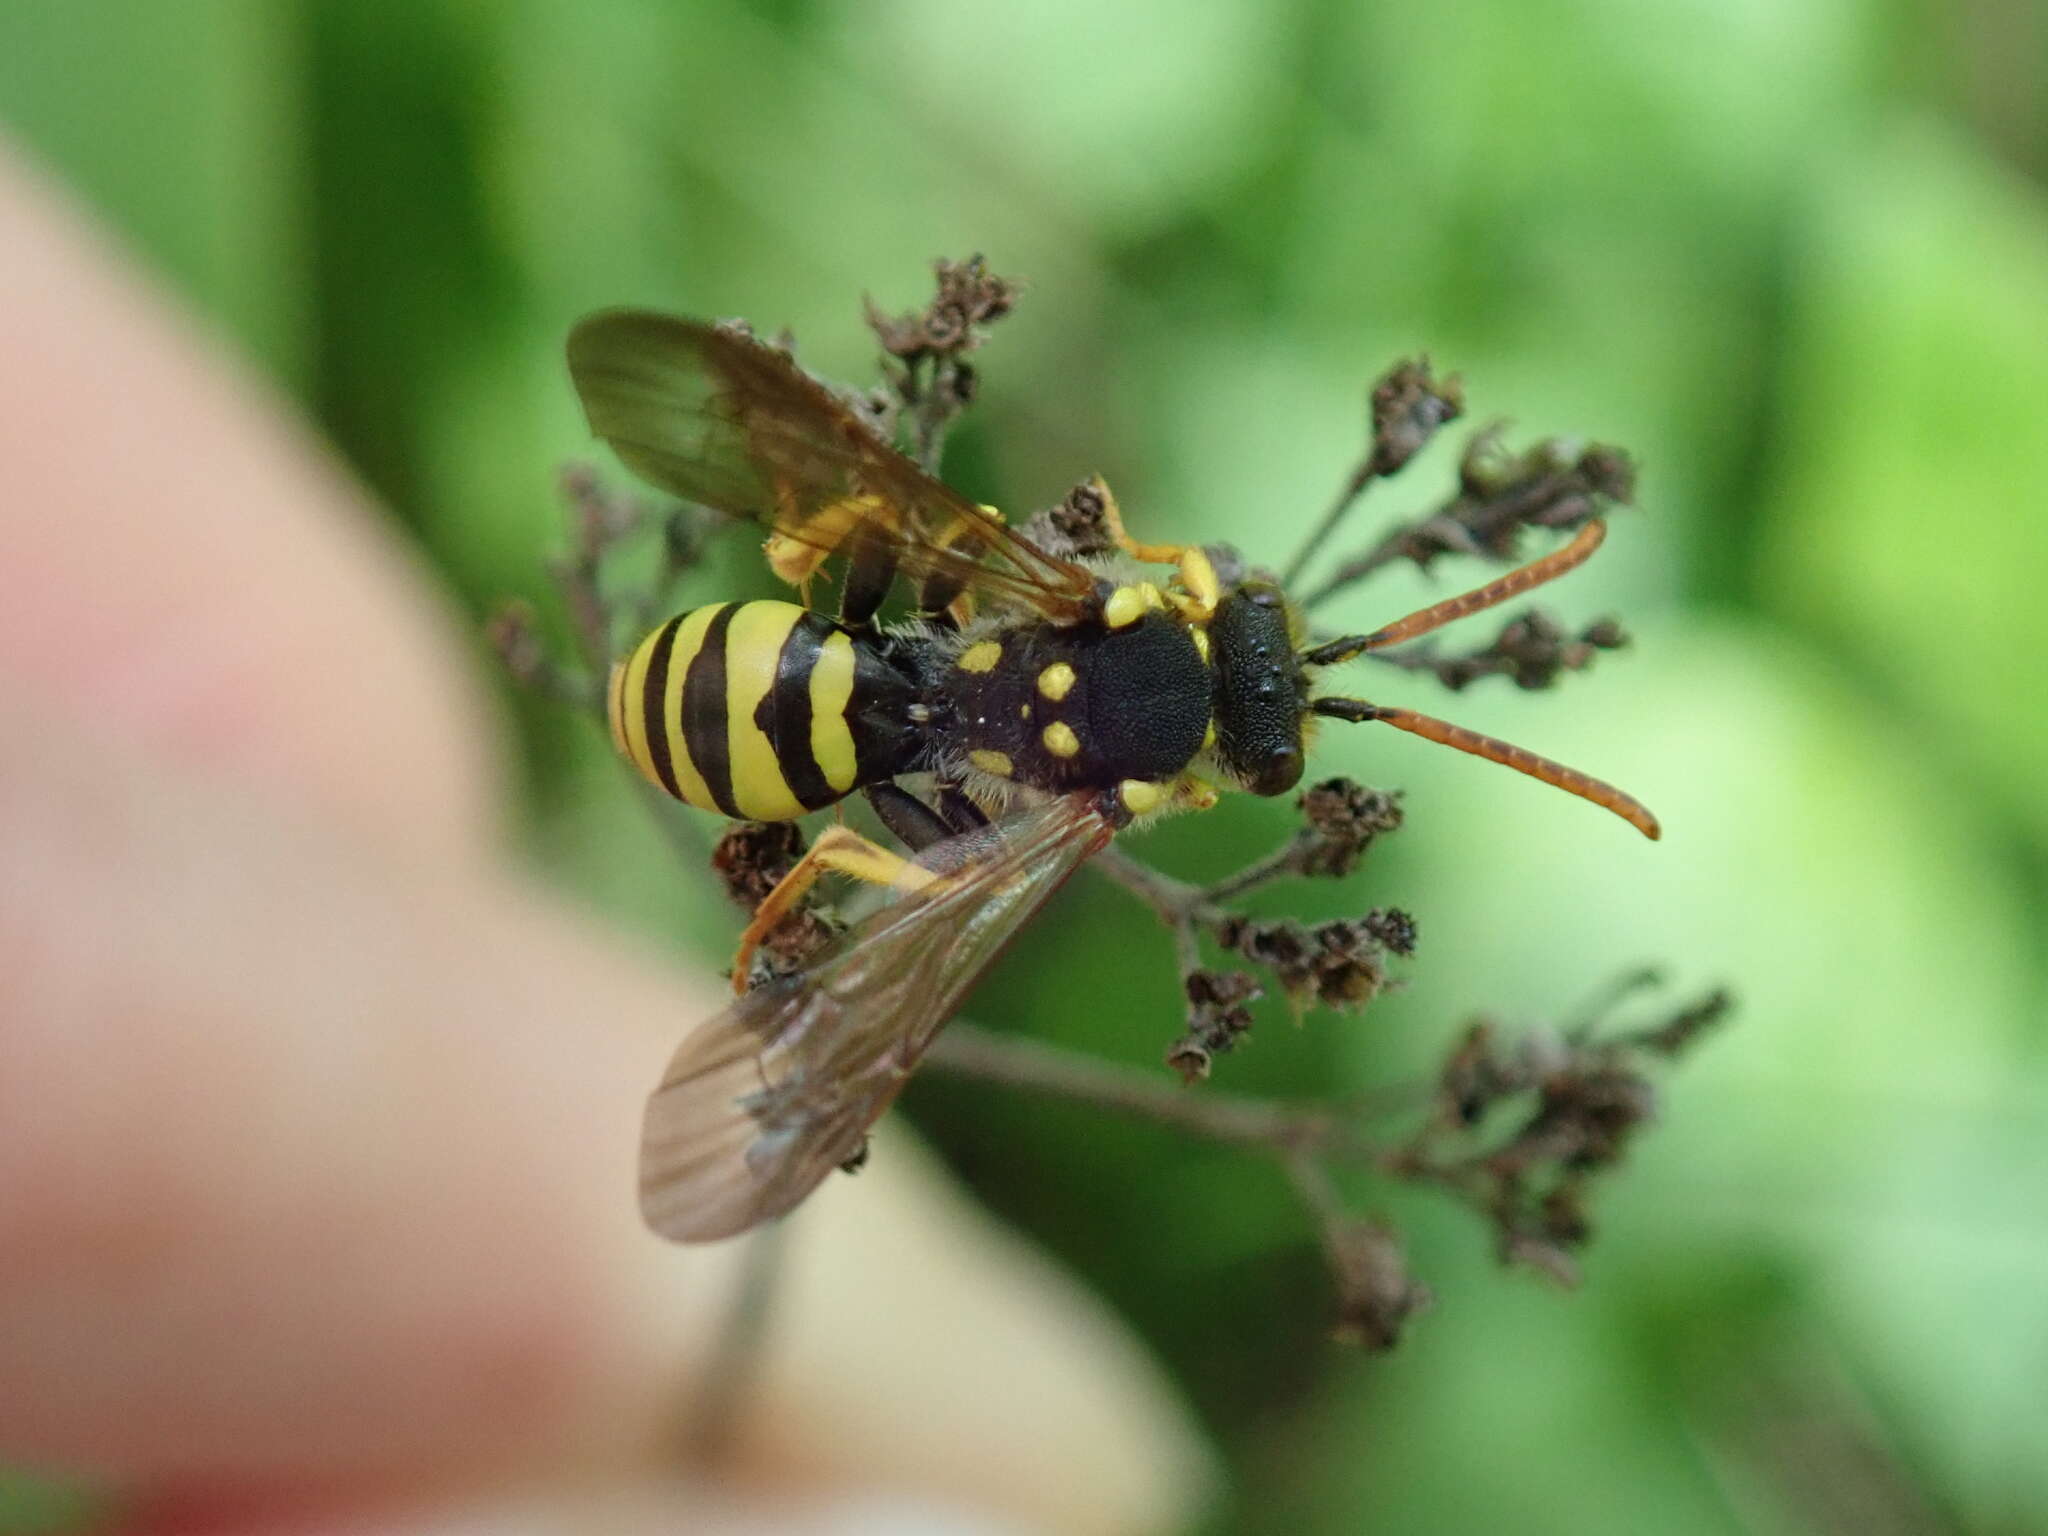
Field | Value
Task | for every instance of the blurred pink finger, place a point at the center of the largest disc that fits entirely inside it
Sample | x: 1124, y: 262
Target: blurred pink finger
x: 312, y: 1163
x: 186, y: 566
x: 317, y: 1174
x: 655, y: 1509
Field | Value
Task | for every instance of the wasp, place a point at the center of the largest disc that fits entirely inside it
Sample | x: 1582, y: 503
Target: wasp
x: 1032, y: 706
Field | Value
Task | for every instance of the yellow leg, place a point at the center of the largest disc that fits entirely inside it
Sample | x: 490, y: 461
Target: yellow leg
x: 1200, y: 590
x: 837, y: 849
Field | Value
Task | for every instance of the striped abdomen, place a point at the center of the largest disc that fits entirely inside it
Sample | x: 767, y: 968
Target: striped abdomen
x: 762, y: 710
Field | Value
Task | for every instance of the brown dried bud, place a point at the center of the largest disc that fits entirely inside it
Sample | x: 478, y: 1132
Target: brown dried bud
x: 1583, y: 1119
x: 1473, y: 1077
x: 1546, y: 486
x: 1393, y: 928
x: 1605, y: 634
x: 1408, y: 406
x: 1532, y: 649
x: 794, y: 943
x: 1565, y: 1221
x: 1189, y: 1061
x: 1546, y: 1258
x: 1219, y: 1013
x: 750, y: 861
x: 969, y: 297
x: 1608, y: 472
x: 1686, y: 1026
x: 1075, y: 528
x: 1376, y: 1293
x: 1343, y: 819
x: 1336, y: 963
x: 752, y: 858
x: 1345, y: 971
x: 514, y: 633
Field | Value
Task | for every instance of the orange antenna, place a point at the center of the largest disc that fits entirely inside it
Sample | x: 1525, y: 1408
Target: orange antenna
x: 1506, y: 753
x: 1436, y: 615
x: 1494, y: 750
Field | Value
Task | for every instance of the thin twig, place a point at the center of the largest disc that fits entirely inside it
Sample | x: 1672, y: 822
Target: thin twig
x: 1354, y: 486
x: 1262, y: 1125
x: 1406, y: 406
x: 734, y: 1368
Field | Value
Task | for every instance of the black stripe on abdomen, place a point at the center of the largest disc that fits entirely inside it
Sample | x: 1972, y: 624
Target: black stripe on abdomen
x: 653, y: 699
x: 785, y: 714
x: 703, y: 712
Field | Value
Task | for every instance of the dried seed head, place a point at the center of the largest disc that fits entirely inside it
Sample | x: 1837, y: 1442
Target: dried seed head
x: 1601, y: 1107
x: 1376, y: 1293
x: 1473, y: 1077
x: 969, y: 297
x: 1075, y: 528
x: 750, y: 861
x: 1501, y: 493
x: 1408, y: 406
x: 1344, y: 817
x: 1219, y: 1014
x: 1394, y: 929
x: 1688, y: 1024
x: 1336, y: 964
x: 514, y: 633
x: 1564, y: 1217
x: 752, y: 858
x: 1345, y: 970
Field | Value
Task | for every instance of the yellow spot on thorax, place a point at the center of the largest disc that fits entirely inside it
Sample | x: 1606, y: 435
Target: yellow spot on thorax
x: 1140, y: 797
x: 1056, y: 681
x: 997, y: 763
x: 1060, y: 739
x: 1126, y: 605
x: 981, y: 656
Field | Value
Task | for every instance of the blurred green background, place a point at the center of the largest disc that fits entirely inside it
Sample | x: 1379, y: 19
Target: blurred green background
x: 1792, y: 253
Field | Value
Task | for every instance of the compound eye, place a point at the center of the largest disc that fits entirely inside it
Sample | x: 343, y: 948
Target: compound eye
x: 1277, y: 772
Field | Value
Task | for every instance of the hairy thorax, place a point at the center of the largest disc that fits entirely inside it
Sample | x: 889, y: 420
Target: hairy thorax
x: 1081, y: 707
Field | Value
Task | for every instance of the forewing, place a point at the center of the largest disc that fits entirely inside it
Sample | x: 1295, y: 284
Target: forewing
x: 763, y: 1101
x: 714, y: 416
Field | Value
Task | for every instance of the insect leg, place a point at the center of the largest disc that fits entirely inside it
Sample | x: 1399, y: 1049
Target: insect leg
x: 944, y: 596
x: 958, y: 809
x: 837, y: 849
x: 870, y: 569
x: 1200, y: 588
x: 908, y: 817
x: 919, y: 825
